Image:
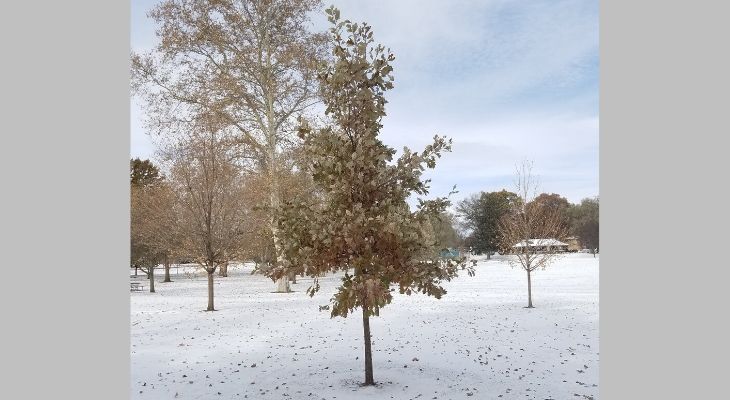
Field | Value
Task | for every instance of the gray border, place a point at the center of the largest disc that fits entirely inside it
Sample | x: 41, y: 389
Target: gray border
x: 64, y: 163
x: 663, y: 100
x: 64, y: 170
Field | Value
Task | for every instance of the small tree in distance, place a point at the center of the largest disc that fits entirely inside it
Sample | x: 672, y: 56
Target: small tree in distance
x: 531, y: 226
x: 209, y: 188
x: 362, y: 224
x: 153, y: 219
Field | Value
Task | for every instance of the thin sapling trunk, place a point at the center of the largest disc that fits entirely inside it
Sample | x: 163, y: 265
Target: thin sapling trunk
x: 368, y: 350
x: 152, y: 278
x: 210, y: 271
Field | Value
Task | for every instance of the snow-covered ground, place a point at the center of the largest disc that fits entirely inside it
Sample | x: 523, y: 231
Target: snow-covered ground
x: 477, y: 342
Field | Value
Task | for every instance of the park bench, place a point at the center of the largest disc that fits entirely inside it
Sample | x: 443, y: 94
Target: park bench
x: 135, y: 286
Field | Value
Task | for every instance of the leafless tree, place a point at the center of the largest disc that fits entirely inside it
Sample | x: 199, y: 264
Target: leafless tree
x: 250, y: 63
x: 209, y: 188
x: 154, y: 224
x: 530, y: 228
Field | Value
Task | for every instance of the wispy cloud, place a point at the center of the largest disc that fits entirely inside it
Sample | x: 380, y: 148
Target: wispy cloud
x: 507, y: 80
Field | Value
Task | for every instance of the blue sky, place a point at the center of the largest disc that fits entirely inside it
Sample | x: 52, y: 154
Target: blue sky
x: 506, y: 80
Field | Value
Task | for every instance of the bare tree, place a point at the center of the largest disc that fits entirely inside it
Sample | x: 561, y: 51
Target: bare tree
x: 250, y: 63
x: 154, y: 232
x: 208, y: 185
x: 530, y: 229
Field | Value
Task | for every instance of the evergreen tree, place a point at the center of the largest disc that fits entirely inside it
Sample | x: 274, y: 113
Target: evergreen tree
x: 481, y: 214
x: 143, y: 172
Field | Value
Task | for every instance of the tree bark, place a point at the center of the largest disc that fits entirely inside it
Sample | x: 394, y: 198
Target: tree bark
x: 167, y: 270
x: 210, y: 290
x: 223, y: 271
x: 152, y: 278
x: 529, y: 290
x: 282, y: 285
x: 293, y: 277
x: 368, y: 350
x: 135, y: 271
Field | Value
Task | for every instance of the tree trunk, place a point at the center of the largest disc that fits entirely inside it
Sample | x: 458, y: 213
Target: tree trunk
x: 489, y: 255
x: 210, y: 289
x: 282, y: 285
x: 293, y: 277
x: 529, y: 290
x: 223, y: 271
x: 135, y: 271
x: 368, y: 350
x: 152, y: 278
x: 167, y: 270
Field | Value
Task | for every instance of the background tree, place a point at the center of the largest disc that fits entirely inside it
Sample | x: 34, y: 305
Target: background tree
x: 143, y: 172
x: 557, y: 202
x: 532, y: 225
x: 584, y: 223
x: 362, y: 224
x: 445, y: 235
x: 249, y: 63
x: 209, y: 186
x: 481, y: 214
x: 294, y: 182
x: 154, y: 232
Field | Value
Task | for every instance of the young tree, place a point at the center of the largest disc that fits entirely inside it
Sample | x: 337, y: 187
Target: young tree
x: 530, y: 227
x: 360, y: 223
x: 209, y: 186
x: 249, y: 63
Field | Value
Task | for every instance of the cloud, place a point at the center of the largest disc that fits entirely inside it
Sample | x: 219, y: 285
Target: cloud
x: 507, y: 80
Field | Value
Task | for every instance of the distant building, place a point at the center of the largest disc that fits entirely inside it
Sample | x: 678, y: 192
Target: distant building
x: 538, y: 245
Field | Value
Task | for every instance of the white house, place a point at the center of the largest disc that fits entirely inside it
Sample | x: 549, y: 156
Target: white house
x: 539, y: 245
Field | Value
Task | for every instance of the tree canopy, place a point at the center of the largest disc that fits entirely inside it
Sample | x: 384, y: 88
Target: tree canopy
x: 481, y: 214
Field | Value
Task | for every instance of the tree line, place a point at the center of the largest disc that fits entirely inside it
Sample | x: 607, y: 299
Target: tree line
x: 480, y: 216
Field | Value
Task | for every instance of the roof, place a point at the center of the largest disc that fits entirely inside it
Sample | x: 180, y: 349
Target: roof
x: 540, y: 242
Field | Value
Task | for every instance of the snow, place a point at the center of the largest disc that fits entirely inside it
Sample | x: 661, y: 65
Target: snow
x: 477, y: 342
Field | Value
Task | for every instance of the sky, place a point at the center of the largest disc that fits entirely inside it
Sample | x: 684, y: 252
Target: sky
x: 506, y: 80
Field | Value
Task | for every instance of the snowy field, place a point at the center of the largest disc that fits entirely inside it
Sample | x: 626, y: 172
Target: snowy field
x: 477, y: 342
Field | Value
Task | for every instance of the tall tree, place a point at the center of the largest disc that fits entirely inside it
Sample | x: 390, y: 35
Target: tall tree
x: 362, y: 224
x: 209, y: 186
x: 584, y: 224
x: 559, y: 204
x: 481, y: 214
x: 249, y: 63
x: 530, y: 227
